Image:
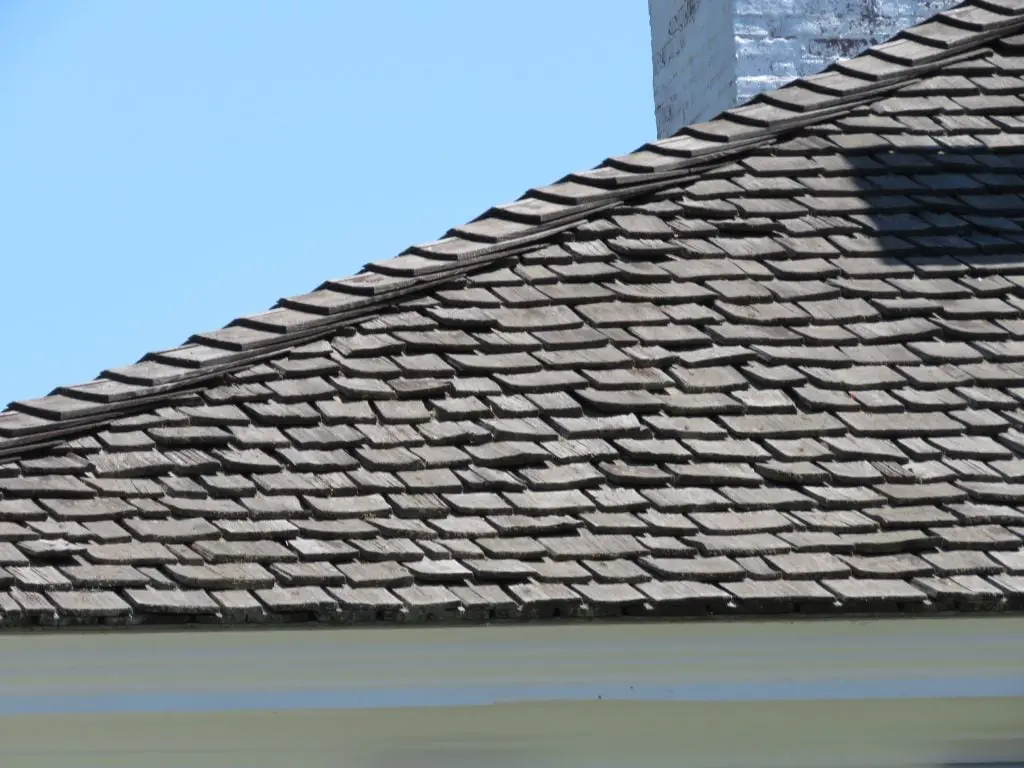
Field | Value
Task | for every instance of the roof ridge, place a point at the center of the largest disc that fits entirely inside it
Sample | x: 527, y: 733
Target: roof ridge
x: 506, y: 230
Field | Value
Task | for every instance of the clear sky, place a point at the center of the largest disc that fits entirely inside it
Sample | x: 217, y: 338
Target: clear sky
x: 168, y: 166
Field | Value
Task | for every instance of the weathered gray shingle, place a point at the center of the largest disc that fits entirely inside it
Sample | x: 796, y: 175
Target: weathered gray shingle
x: 785, y: 377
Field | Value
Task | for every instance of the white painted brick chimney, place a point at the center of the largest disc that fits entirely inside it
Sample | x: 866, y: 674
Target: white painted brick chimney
x: 709, y: 55
x: 694, y: 60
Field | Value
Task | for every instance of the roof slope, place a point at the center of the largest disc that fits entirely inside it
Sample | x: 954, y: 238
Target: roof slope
x: 775, y: 363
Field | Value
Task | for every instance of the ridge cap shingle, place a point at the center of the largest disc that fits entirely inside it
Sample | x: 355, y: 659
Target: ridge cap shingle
x: 508, y: 229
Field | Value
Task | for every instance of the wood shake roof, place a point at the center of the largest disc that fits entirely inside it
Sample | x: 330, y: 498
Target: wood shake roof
x: 772, y: 364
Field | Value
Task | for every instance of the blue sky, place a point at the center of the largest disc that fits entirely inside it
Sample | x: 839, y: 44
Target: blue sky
x: 168, y: 166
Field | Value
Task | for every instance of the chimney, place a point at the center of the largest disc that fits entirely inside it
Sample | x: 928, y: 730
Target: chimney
x: 709, y: 55
x: 693, y: 52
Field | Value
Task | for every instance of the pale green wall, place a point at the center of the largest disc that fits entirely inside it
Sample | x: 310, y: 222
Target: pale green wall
x: 577, y: 735
x: 99, y: 697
